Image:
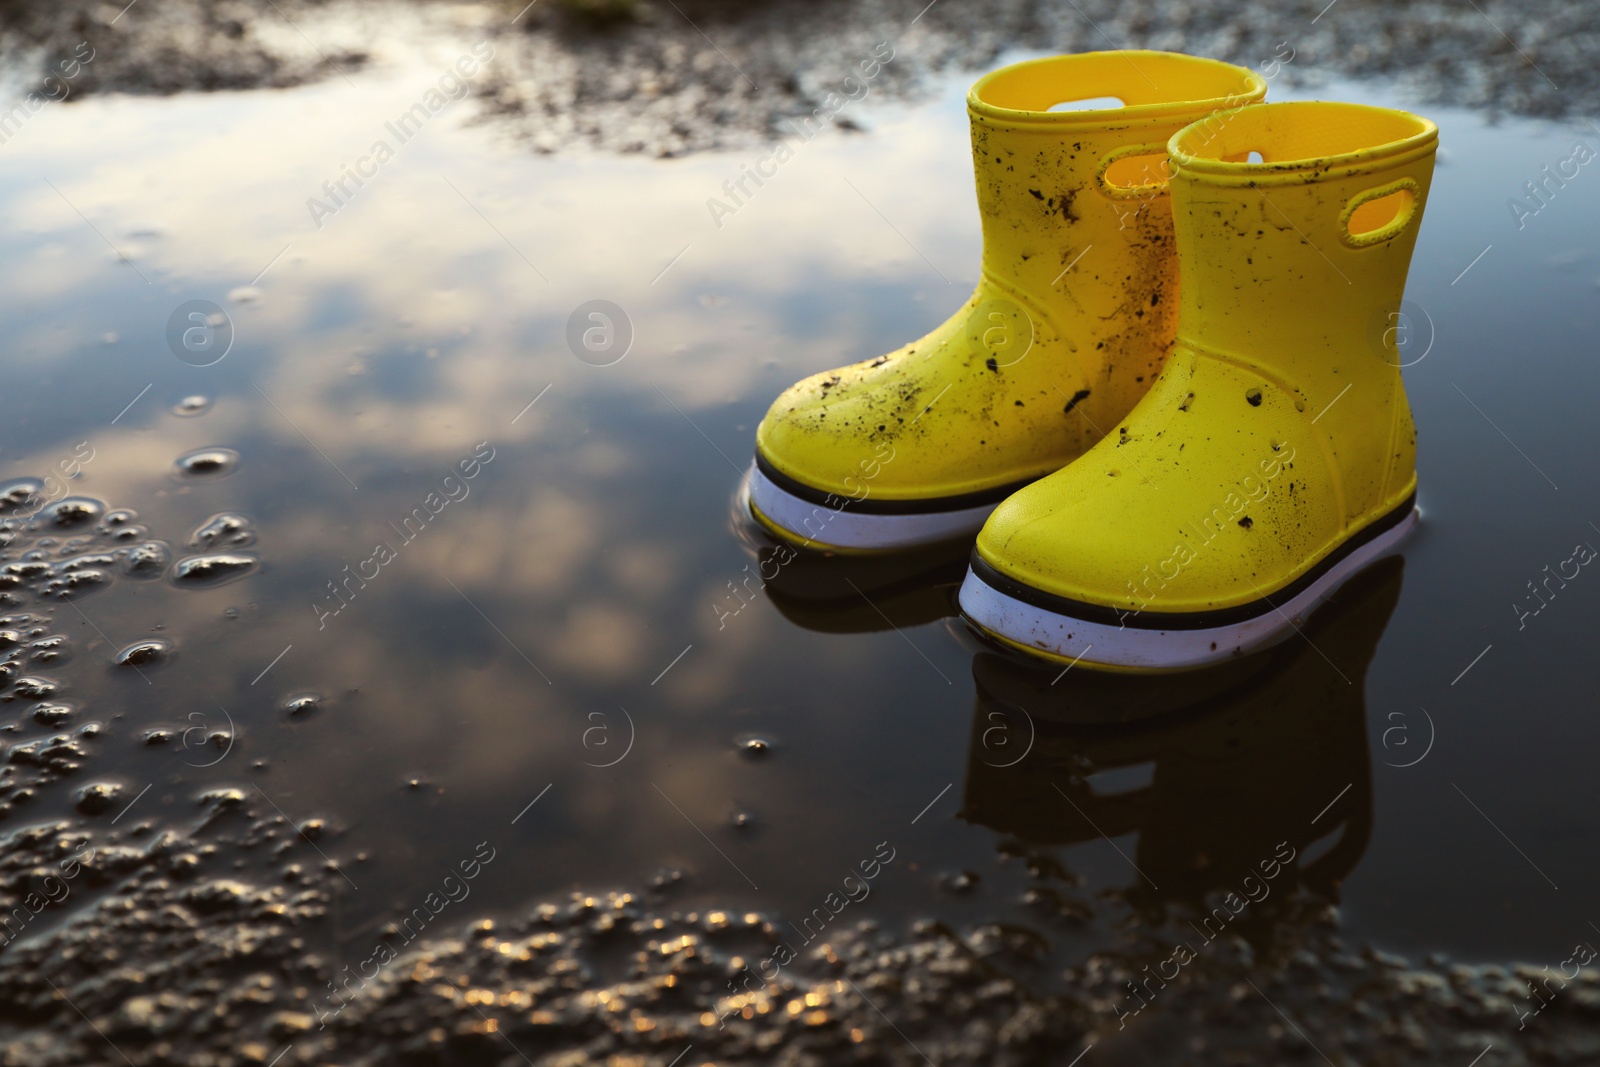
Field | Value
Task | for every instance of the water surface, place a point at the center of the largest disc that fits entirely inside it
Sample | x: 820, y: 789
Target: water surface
x: 563, y: 654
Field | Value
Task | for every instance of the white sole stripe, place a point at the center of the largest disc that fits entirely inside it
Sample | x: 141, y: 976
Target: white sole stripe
x: 808, y: 522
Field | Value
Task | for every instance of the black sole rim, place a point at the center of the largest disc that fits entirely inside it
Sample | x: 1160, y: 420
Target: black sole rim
x: 868, y: 506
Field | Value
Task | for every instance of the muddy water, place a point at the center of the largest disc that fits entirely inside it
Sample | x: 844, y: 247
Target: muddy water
x: 430, y: 570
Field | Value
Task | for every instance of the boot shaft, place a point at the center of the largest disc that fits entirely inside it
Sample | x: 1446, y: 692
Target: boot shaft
x: 1324, y: 223
x: 1295, y: 265
x: 1056, y: 186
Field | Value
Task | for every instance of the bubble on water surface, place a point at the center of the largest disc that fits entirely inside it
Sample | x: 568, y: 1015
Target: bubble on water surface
x: 147, y: 653
x: 20, y: 494
x: 225, y: 530
x: 72, y: 512
x: 960, y: 881
x: 148, y: 559
x: 207, y: 463
x: 218, y: 568
x: 753, y: 746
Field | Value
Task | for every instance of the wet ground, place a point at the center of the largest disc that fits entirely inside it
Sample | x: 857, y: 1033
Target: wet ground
x: 353, y: 626
x: 669, y: 77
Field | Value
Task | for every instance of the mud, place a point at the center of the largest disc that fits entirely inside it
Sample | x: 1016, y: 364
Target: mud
x: 207, y: 935
x: 667, y: 78
x: 161, y: 951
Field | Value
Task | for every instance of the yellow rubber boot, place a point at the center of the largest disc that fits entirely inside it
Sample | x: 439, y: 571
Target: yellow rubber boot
x: 1073, y: 313
x: 1275, y: 455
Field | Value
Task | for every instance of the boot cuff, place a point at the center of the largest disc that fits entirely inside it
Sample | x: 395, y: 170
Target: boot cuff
x: 1299, y: 142
x: 1152, y: 87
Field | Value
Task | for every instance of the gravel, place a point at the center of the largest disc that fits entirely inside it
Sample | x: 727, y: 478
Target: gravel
x: 669, y: 77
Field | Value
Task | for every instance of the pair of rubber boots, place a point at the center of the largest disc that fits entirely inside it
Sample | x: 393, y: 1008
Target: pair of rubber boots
x: 1161, y: 475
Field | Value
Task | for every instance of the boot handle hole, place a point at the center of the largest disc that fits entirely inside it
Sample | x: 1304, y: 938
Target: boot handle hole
x: 1089, y: 103
x: 1379, y: 214
x: 1136, y: 171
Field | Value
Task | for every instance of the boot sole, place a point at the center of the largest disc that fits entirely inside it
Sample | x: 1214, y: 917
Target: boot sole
x: 814, y: 518
x: 1094, y: 636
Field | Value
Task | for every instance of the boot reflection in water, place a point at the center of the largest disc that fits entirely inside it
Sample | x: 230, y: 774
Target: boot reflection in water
x: 861, y: 594
x: 1244, y: 764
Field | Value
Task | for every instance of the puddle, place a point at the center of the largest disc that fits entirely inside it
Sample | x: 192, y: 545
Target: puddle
x: 442, y: 572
